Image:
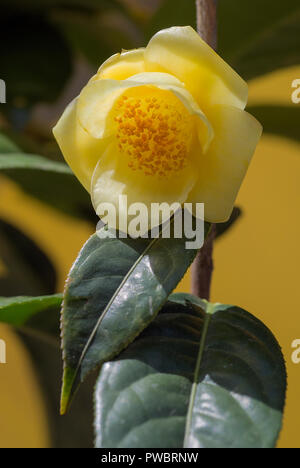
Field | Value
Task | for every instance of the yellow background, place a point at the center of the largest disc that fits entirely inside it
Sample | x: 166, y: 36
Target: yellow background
x: 256, y: 267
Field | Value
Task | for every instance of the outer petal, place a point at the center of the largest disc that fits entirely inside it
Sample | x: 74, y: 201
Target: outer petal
x: 98, y: 98
x: 222, y: 169
x: 80, y: 150
x: 181, y: 51
x: 112, y: 178
x: 122, y: 66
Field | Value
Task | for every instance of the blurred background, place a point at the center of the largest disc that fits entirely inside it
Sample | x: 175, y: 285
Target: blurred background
x: 48, y: 51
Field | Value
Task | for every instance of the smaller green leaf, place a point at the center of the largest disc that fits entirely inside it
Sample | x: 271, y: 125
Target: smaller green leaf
x: 115, y: 289
x: 18, y: 310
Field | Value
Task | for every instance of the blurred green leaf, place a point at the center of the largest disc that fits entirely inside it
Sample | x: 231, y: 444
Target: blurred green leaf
x: 114, y: 290
x: 99, y: 35
x: 46, y: 4
x: 172, y: 13
x: 50, y: 181
x: 36, y: 61
x: 18, y: 310
x: 74, y: 430
x: 255, y: 38
x: 37, y: 319
x: 260, y: 36
x: 200, y: 376
x: 7, y: 146
x: 28, y: 270
x: 18, y: 160
x: 279, y: 120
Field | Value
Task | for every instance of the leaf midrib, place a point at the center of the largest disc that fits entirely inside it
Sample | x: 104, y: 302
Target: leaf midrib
x: 189, y: 418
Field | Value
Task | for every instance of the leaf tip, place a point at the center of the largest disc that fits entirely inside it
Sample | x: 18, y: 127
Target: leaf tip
x: 66, y: 392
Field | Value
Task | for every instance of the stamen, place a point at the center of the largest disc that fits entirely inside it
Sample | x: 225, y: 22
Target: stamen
x: 154, y: 133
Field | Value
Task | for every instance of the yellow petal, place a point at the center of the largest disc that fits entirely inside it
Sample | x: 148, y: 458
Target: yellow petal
x: 99, y: 97
x: 181, y: 51
x: 112, y: 178
x: 122, y: 66
x: 80, y: 150
x: 222, y: 169
x: 156, y: 78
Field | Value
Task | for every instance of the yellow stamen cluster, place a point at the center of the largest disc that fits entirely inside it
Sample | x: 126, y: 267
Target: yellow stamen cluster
x: 154, y: 132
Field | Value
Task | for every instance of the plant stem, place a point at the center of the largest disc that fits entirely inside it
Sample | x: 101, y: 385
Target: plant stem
x: 202, y: 268
x: 207, y: 21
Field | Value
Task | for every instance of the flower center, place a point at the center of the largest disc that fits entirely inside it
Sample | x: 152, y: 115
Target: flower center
x: 154, y: 131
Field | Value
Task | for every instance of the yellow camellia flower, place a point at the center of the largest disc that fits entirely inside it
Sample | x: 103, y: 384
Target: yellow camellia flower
x: 165, y: 123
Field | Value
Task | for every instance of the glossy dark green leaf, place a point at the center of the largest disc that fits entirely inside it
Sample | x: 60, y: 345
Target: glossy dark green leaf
x: 28, y: 271
x: 200, y: 376
x: 279, y: 120
x: 50, y: 181
x: 115, y: 289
